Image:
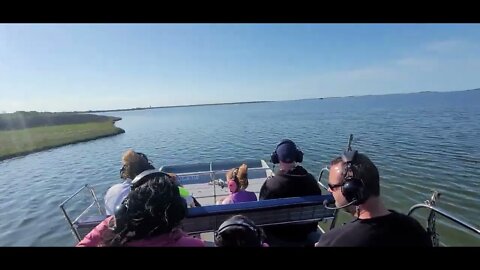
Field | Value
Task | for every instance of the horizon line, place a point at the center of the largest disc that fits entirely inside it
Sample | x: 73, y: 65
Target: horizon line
x: 247, y: 102
x: 261, y: 101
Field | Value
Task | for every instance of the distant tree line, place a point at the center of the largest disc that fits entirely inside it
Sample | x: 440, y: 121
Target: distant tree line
x: 22, y: 119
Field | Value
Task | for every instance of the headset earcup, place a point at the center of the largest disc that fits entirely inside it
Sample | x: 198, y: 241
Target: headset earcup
x: 299, y: 158
x: 232, y: 186
x: 274, y: 158
x: 121, y: 215
x: 353, y: 189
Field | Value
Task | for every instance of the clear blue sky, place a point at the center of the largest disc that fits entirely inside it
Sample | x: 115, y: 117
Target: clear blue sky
x: 65, y: 67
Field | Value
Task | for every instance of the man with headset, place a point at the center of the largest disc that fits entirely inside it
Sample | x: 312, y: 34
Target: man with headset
x: 291, y: 180
x: 354, y: 183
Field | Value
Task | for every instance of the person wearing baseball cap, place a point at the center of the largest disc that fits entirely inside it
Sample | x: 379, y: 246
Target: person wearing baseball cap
x: 291, y: 180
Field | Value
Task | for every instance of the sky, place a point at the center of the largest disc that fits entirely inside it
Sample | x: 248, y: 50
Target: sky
x: 76, y: 67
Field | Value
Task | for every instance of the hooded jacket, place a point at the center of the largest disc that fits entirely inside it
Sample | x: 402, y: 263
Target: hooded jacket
x: 294, y: 183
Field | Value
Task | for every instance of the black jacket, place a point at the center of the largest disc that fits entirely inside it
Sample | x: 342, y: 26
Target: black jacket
x: 394, y: 229
x: 295, y: 183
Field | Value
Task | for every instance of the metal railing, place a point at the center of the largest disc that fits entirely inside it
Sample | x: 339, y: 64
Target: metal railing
x: 69, y: 219
x: 326, y: 169
x: 215, y: 178
x: 211, y: 173
x: 431, y: 229
x: 447, y: 215
x: 335, y: 214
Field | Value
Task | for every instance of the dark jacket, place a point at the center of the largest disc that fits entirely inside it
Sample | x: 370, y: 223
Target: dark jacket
x: 295, y: 183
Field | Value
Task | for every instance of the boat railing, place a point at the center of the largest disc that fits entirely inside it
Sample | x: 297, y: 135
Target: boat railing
x: 264, y: 213
x: 431, y: 221
x: 194, y: 177
x: 322, y: 171
x: 326, y: 169
x: 214, y: 175
x: 72, y: 222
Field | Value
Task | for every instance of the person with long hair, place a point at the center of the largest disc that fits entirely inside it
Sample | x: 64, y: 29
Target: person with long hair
x: 150, y: 215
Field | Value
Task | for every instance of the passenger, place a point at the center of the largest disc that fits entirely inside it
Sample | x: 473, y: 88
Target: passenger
x: 239, y: 231
x: 354, y: 183
x: 237, y: 181
x: 291, y: 180
x: 133, y: 163
x: 151, y: 215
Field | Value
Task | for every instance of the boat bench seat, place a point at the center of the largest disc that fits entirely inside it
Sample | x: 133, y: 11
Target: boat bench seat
x: 262, y: 213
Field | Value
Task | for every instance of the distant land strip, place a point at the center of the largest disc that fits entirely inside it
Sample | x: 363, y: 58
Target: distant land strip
x: 173, y: 106
x: 22, y: 133
x: 265, y: 101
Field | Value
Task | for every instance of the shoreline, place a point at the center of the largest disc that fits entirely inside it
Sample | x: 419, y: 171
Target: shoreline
x: 117, y: 131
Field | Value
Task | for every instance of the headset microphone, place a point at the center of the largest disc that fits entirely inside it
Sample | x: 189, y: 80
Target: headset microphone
x: 325, y: 203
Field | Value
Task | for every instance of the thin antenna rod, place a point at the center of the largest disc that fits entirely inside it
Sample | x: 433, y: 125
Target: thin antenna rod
x: 349, y: 147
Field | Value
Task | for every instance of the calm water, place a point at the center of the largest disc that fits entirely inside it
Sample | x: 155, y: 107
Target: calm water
x: 418, y: 141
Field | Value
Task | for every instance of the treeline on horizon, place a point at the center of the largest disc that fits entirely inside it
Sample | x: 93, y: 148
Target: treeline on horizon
x: 172, y: 106
x: 23, y: 120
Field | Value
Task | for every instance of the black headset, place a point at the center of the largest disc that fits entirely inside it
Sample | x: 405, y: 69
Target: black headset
x: 237, y: 222
x: 142, y: 177
x: 298, y: 152
x: 122, y: 209
x: 353, y: 188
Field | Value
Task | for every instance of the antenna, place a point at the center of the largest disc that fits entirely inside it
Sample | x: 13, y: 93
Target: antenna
x: 349, y: 147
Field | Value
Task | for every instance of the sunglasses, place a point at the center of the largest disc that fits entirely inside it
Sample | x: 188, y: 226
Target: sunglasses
x: 332, y: 187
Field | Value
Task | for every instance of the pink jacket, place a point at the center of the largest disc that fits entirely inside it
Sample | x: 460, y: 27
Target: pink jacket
x: 176, y: 238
